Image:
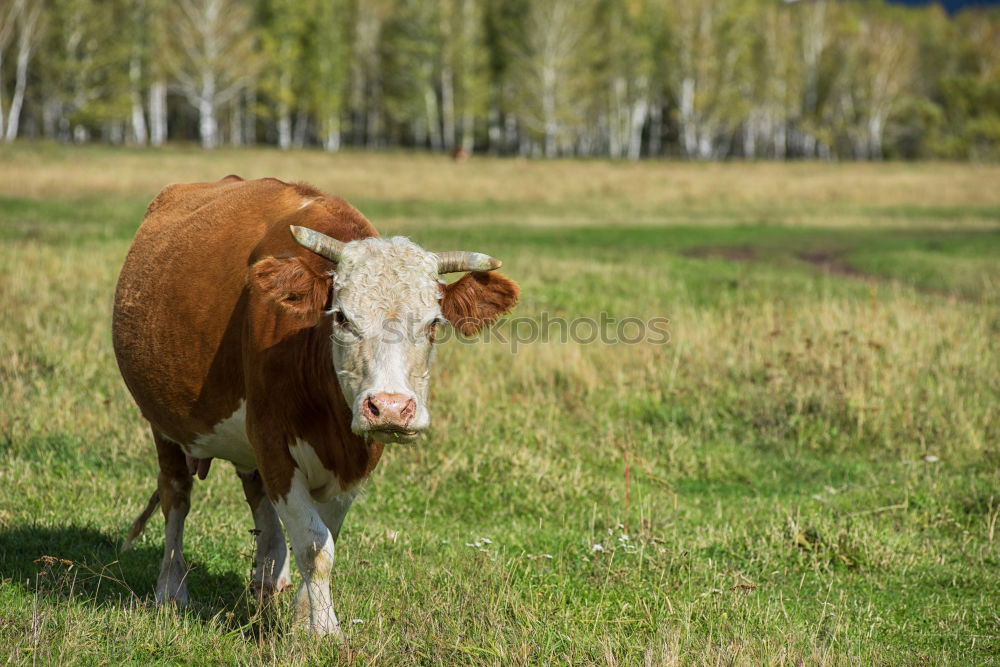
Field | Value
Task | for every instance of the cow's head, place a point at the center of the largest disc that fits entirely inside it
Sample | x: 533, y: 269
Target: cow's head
x: 385, y: 301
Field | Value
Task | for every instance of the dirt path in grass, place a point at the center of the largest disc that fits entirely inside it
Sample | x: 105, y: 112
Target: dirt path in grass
x: 827, y: 261
x: 739, y: 253
x: 831, y: 262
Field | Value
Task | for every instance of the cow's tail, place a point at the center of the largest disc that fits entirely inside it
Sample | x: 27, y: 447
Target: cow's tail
x: 140, y: 523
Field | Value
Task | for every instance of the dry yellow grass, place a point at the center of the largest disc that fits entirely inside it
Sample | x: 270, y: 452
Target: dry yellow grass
x: 813, y: 193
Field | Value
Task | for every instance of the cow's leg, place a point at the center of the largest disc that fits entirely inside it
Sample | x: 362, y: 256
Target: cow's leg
x: 270, y: 567
x: 312, y: 543
x: 174, y: 483
x: 333, y: 512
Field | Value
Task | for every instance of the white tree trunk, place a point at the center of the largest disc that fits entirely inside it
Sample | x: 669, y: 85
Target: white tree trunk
x: 7, y: 21
x: 433, y: 122
x: 2, y: 119
x: 640, y: 109
x: 616, y: 141
x: 448, y: 107
x: 493, y: 131
x: 236, y: 122
x: 299, y: 131
x: 284, y: 113
x: 689, y: 131
x: 875, y: 127
x: 25, y: 42
x: 284, y: 127
x: 549, y: 121
x: 208, y: 129
x: 781, y: 139
x: 331, y: 142
x: 139, y: 133
x: 705, y: 146
x: 751, y: 129
x: 250, y: 123
x: 14, y: 115
x: 158, y: 113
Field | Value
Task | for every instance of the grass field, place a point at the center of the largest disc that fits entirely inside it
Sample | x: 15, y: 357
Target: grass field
x: 807, y: 473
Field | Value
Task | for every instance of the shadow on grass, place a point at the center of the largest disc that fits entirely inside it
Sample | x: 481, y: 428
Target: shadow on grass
x: 85, y: 565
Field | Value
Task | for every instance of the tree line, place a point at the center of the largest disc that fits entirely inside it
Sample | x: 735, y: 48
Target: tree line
x: 706, y: 79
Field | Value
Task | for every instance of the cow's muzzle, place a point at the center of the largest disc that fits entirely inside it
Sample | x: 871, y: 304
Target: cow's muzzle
x: 390, y: 415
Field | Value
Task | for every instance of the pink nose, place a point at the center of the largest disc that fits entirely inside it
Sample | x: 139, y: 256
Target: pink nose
x: 389, y: 410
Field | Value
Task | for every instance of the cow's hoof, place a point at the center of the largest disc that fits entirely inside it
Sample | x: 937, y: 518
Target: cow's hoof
x: 178, y: 597
x: 264, y: 590
x: 327, y: 631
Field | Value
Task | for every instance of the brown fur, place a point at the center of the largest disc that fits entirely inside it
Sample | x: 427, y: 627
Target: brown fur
x: 477, y: 299
x: 217, y: 303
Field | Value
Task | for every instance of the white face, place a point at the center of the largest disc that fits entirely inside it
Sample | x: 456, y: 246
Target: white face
x: 385, y: 306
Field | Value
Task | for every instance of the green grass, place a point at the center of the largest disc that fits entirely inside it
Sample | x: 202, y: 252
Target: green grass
x: 814, y: 458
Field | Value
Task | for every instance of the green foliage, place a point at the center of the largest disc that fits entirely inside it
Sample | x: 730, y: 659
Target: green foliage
x: 82, y: 71
x: 409, y: 53
x: 623, y: 78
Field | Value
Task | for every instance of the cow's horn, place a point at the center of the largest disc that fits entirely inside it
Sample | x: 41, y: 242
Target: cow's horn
x: 321, y: 244
x: 463, y: 260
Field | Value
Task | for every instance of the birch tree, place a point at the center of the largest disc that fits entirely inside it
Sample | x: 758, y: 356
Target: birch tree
x: 627, y: 40
x: 328, y: 55
x: 366, y: 70
x: 284, y: 37
x: 707, y: 63
x: 550, y: 63
x: 470, y: 64
x: 7, y: 20
x: 880, y: 78
x: 24, y: 18
x: 411, y: 53
x: 211, y: 57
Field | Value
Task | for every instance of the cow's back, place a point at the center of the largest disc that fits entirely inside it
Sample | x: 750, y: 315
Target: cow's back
x: 181, y: 297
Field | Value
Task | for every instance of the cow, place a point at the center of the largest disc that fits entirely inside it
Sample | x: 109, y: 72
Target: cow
x: 268, y: 324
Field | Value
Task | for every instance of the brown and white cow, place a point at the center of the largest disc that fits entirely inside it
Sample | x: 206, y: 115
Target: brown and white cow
x: 267, y: 324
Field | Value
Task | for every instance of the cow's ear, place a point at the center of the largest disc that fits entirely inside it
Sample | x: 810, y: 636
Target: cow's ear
x: 292, y: 286
x: 477, y: 299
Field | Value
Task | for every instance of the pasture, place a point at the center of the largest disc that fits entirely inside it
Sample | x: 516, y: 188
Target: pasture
x: 808, y: 472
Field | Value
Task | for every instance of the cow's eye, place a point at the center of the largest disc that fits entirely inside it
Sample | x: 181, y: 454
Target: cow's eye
x: 432, y: 327
x: 340, y: 318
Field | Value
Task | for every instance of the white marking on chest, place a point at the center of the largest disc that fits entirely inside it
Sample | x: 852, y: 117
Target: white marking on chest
x: 323, y: 483
x: 228, y: 440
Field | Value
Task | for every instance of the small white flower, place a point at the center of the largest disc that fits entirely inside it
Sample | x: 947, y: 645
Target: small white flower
x: 485, y: 540
x: 355, y: 621
x: 930, y: 458
x: 596, y: 548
